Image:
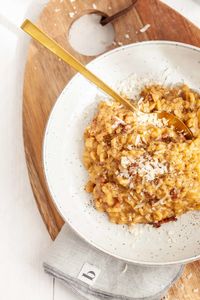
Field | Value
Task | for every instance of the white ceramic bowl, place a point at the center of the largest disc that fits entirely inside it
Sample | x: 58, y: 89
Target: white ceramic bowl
x: 175, y: 242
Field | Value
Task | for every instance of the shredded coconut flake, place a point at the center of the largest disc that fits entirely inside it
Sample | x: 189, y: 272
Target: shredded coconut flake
x: 125, y: 162
x: 137, y: 140
x: 143, y: 118
x: 145, y: 28
x: 152, y: 168
x: 118, y: 122
x: 140, y: 102
x: 147, y: 167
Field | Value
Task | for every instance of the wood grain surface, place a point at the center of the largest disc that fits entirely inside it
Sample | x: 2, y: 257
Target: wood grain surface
x: 46, y: 76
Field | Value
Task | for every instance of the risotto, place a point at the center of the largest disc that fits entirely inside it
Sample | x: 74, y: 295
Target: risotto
x: 140, y: 170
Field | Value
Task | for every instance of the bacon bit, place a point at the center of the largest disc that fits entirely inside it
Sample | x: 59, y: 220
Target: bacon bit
x: 173, y: 193
x: 150, y: 199
x: 147, y: 195
x: 125, y: 128
x: 134, y: 165
x: 137, y: 179
x: 117, y: 204
x: 102, y: 180
x: 120, y: 199
x: 153, y: 200
x: 158, y: 224
x: 155, y: 225
x: 156, y: 181
x: 107, y: 139
x: 168, y: 139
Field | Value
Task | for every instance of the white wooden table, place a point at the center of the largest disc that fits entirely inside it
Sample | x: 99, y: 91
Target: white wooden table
x: 24, y: 238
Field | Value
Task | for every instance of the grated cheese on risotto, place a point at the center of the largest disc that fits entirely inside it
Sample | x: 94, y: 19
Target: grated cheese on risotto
x: 140, y: 169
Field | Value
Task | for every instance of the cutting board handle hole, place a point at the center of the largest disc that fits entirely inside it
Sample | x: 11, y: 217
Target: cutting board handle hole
x: 88, y: 37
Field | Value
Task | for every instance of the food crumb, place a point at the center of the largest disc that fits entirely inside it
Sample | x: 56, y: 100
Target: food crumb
x: 57, y: 10
x: 72, y: 1
x: 71, y: 14
x: 189, y: 276
x: 120, y: 43
x: 145, y: 28
x: 127, y: 36
x: 109, y: 7
x: 114, y: 43
x: 195, y: 290
x: 94, y: 6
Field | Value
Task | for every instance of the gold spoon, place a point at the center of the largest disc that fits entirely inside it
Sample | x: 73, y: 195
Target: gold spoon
x: 51, y: 45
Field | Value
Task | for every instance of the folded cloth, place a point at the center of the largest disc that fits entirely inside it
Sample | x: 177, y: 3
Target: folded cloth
x: 96, y: 275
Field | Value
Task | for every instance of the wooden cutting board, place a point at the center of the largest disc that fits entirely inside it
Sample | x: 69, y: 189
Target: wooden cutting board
x: 46, y: 76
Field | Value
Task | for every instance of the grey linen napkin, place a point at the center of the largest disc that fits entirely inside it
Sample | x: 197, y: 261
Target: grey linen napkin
x: 96, y: 275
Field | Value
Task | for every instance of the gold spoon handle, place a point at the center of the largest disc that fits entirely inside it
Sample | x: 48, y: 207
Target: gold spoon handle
x: 51, y: 45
